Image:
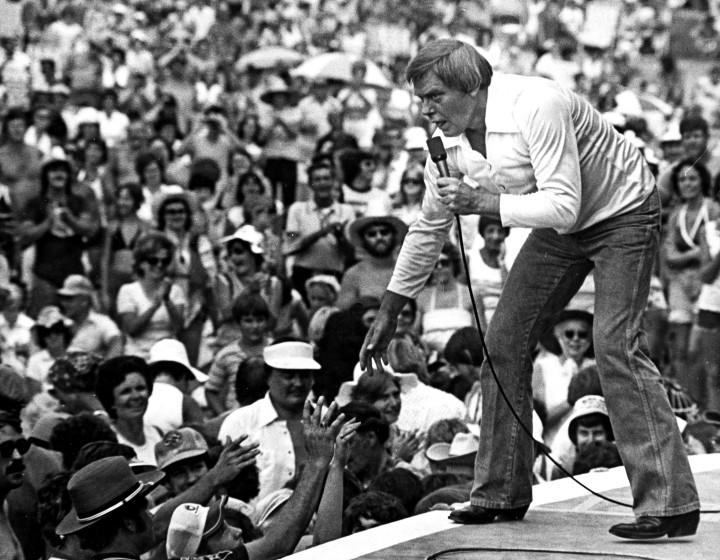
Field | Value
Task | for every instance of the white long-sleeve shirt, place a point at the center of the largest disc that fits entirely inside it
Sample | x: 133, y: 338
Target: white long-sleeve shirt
x: 554, y: 160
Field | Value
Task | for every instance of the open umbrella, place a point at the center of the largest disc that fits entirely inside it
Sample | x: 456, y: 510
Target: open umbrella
x: 269, y: 57
x: 338, y: 66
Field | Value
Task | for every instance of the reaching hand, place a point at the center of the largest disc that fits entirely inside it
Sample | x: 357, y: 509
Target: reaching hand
x: 320, y: 430
x: 374, y: 348
x: 405, y: 446
x: 233, y: 459
x: 342, y: 442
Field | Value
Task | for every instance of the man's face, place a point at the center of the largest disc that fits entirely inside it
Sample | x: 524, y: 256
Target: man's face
x: 183, y: 475
x: 694, y: 143
x: 75, y: 306
x: 11, y: 463
x: 378, y: 239
x: 289, y: 388
x: 451, y: 110
x: 321, y: 183
x: 586, y: 435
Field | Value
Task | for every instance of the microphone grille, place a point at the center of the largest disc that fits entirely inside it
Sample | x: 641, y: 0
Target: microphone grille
x: 436, y: 149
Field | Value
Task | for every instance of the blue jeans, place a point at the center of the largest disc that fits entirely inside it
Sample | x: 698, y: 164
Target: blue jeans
x: 546, y: 274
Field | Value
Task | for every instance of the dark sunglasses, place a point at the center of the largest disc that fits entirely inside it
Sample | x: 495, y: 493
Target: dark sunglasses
x: 413, y: 181
x: 379, y: 232
x: 8, y: 447
x: 238, y: 250
x: 570, y: 334
x: 155, y: 261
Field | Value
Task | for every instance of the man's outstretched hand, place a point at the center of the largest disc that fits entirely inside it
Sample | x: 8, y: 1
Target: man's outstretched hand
x: 320, y: 430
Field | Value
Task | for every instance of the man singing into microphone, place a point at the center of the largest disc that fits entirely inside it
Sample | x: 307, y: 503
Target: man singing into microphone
x: 536, y: 155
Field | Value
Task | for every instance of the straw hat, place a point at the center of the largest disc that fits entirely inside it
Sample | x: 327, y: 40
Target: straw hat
x: 375, y: 215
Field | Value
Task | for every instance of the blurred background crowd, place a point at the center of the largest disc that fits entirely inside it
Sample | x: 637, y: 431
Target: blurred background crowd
x: 201, y: 202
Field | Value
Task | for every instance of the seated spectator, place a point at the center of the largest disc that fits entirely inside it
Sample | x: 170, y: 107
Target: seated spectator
x: 401, y: 483
x: 371, y: 509
x: 488, y: 269
x: 358, y: 168
x: 72, y: 379
x: 702, y: 437
x: 93, y: 332
x: 123, y: 386
x: 152, y: 307
x: 368, y: 456
x: 53, y: 334
x: 15, y: 328
x: 170, y: 404
x: 245, y: 272
x: 322, y: 291
x: 252, y: 315
x: 53, y: 505
x: 597, y: 456
x: 589, y: 422
x: 410, y: 195
x: 275, y: 420
x: 293, y: 319
x: 464, y: 355
x: 456, y: 457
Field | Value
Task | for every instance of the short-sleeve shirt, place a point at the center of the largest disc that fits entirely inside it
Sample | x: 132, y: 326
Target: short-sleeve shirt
x: 95, y: 334
x: 132, y: 299
x: 221, y: 377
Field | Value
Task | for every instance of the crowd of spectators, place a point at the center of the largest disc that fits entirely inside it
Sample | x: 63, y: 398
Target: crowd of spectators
x: 201, y: 203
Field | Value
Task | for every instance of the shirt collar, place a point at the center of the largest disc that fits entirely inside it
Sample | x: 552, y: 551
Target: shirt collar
x: 266, y: 411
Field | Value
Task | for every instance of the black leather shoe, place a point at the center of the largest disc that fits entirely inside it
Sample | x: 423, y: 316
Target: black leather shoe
x: 650, y: 527
x: 476, y: 515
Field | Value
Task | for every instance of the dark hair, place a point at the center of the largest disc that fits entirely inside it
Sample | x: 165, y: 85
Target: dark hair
x: 370, y: 419
x: 144, y: 159
x: 102, y: 533
x: 109, y: 92
x: 113, y: 372
x: 702, y: 171
x: 598, y: 454
x: 135, y: 191
x: 338, y: 349
x: 401, y: 483
x: 53, y: 504
x: 487, y: 221
x: 241, y: 180
x: 205, y: 172
x: 256, y: 137
x: 147, y: 245
x: 250, y: 304
x: 350, y: 163
x: 100, y: 143
x: 411, y: 168
x: 41, y: 334
x: 238, y: 150
x: 71, y: 434
x: 248, y: 387
x: 458, y: 65
x: 379, y: 506
x: 692, y: 123
x: 438, y: 480
x: 53, y: 165
x: 453, y: 254
x: 318, y: 166
x: 369, y: 388
x: 444, y: 430
x: 585, y: 382
x: 464, y: 347
x: 174, y: 199
x: 702, y: 431
x: 589, y: 420
x: 95, y: 450
x: 13, y: 113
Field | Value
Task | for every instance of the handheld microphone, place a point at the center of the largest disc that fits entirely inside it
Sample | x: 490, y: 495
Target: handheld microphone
x: 438, y: 155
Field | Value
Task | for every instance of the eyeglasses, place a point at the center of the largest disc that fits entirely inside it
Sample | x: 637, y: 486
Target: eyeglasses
x: 175, y: 211
x: 238, y: 250
x: 570, y: 334
x: 7, y: 447
x: 155, y: 261
x: 377, y: 232
x: 442, y: 263
x: 413, y: 181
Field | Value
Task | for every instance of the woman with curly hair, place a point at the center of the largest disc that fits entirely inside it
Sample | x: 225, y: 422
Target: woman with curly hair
x: 152, y: 307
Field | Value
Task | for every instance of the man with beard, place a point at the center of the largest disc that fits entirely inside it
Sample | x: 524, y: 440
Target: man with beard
x: 377, y: 236
x: 12, y: 447
x: 275, y: 421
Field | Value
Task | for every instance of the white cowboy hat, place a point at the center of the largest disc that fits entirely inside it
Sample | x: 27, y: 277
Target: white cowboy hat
x: 462, y: 449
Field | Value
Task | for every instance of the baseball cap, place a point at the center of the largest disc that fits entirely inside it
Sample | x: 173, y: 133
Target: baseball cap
x: 76, y: 285
x: 290, y: 355
x: 179, y: 445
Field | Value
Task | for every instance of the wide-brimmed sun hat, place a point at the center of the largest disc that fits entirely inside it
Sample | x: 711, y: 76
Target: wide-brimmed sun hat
x: 290, y: 355
x: 172, y: 351
x: 247, y: 234
x: 375, y: 216
x: 101, y: 488
x: 76, y: 285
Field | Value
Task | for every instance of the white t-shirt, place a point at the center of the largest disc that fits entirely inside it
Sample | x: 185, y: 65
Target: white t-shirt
x: 145, y: 452
x: 132, y: 299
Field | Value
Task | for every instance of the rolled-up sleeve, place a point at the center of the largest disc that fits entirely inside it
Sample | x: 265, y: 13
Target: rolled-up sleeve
x: 423, y: 241
x: 545, y: 122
